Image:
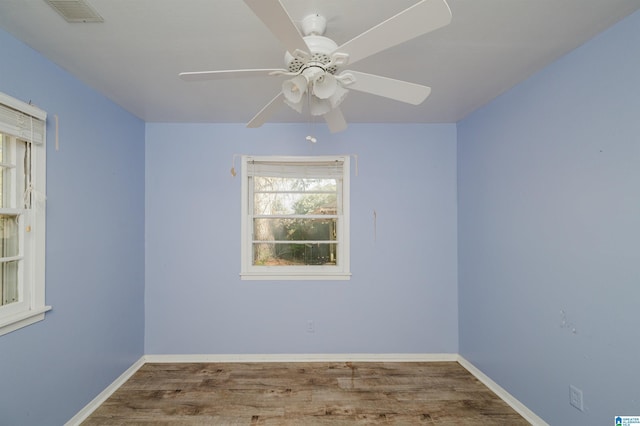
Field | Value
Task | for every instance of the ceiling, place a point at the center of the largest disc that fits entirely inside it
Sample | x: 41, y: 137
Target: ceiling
x: 135, y: 55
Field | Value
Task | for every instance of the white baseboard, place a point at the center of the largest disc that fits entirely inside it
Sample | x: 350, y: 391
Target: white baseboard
x: 301, y: 358
x: 519, y: 407
x: 102, y: 396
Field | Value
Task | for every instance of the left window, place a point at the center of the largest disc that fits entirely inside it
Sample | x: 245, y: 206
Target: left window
x: 22, y: 214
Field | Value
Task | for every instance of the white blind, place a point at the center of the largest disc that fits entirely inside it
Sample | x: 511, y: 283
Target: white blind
x: 22, y: 120
x: 325, y: 168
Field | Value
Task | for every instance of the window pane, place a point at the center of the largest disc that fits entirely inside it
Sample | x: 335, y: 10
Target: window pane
x: 9, y: 282
x: 286, y: 196
x: 294, y: 203
x: 263, y: 183
x: 284, y: 229
x: 8, y: 235
x: 288, y: 254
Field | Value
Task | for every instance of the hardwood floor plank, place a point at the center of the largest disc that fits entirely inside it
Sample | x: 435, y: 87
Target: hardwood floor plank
x: 371, y: 393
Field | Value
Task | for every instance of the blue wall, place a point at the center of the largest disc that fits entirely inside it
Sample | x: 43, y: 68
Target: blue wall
x: 549, y: 233
x: 95, y: 248
x: 402, y: 297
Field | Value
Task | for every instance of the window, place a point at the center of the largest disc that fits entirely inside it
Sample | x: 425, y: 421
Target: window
x: 295, y: 218
x: 22, y: 214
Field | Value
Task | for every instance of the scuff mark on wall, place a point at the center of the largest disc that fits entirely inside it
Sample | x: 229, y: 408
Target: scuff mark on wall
x: 565, y: 323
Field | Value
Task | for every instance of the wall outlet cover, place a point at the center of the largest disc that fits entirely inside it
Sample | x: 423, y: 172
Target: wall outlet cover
x: 575, y: 397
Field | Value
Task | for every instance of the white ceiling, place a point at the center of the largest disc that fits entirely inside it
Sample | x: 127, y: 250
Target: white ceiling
x: 134, y: 57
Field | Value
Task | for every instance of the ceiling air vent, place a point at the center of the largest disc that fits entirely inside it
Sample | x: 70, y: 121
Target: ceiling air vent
x: 75, y: 10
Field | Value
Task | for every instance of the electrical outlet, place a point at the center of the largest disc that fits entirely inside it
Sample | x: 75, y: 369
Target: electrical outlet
x: 311, y: 327
x: 575, y: 397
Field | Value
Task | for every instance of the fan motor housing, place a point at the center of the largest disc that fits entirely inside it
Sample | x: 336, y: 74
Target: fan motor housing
x: 320, y: 48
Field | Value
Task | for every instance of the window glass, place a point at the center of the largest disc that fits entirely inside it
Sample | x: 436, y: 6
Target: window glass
x: 9, y: 282
x: 9, y: 239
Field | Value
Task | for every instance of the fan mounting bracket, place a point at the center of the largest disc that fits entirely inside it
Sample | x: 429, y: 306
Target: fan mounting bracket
x: 313, y: 25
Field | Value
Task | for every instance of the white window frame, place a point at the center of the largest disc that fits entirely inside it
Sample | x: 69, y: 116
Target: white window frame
x: 25, y: 123
x: 340, y: 271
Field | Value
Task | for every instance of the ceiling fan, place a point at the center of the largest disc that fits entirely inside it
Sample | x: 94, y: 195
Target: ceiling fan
x: 313, y: 62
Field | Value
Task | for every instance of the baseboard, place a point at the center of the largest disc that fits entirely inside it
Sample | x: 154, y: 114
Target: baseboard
x: 178, y: 358
x: 519, y: 407
x: 102, y: 396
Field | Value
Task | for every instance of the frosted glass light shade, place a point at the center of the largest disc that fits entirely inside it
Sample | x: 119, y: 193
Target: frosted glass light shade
x: 338, y: 96
x: 319, y: 106
x: 295, y: 88
x: 325, y: 86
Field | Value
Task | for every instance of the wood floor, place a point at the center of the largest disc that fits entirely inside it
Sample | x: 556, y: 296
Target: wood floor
x: 371, y: 393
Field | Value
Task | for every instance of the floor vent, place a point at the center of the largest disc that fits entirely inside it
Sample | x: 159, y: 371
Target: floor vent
x: 75, y: 10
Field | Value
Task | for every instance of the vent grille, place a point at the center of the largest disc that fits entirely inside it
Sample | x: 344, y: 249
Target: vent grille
x: 75, y: 10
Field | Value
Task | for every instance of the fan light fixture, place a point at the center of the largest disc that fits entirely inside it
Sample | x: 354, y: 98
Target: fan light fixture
x: 323, y: 90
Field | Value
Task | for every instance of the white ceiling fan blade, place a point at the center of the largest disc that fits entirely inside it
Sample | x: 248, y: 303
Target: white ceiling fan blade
x: 266, y: 112
x: 398, y: 90
x: 219, y: 75
x: 419, y: 19
x: 335, y: 120
x: 273, y: 14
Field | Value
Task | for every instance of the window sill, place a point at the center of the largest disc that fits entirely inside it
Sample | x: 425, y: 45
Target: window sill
x: 22, y: 319
x: 294, y: 276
